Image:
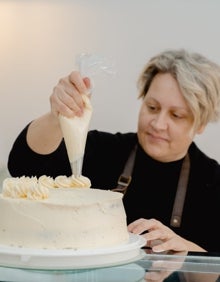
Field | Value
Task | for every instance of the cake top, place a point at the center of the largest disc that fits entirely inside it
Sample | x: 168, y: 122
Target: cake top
x: 61, y: 190
x: 79, y: 197
x: 39, y: 188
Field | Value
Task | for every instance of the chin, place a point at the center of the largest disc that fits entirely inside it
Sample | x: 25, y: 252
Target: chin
x: 156, y: 154
x: 157, y: 157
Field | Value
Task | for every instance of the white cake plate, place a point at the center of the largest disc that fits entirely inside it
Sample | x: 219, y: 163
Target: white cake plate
x: 124, y: 273
x: 72, y: 259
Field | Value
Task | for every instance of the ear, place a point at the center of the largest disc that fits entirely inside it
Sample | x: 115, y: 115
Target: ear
x: 200, y: 129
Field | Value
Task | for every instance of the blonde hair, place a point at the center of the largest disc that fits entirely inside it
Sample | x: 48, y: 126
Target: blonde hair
x: 198, y: 79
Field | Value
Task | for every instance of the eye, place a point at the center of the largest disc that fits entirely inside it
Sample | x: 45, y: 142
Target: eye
x: 177, y: 115
x: 152, y: 108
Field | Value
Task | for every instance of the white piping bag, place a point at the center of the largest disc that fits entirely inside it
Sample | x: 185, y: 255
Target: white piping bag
x: 75, y: 129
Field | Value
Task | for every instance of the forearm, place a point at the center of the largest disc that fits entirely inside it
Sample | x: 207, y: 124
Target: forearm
x: 44, y: 134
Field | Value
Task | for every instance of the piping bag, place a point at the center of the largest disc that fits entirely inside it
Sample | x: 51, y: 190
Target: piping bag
x: 75, y: 129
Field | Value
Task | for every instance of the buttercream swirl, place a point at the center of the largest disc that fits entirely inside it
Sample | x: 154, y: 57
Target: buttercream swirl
x: 24, y: 187
x: 38, y: 189
x: 47, y: 181
x: 72, y: 181
x: 38, y: 192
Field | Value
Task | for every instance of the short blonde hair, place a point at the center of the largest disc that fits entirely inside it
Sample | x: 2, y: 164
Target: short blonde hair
x: 198, y: 79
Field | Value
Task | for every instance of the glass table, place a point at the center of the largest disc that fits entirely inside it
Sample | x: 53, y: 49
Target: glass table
x: 187, y: 267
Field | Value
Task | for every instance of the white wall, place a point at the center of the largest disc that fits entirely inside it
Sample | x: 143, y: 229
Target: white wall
x: 40, y: 39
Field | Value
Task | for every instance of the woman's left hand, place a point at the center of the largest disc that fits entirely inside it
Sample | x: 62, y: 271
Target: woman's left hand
x: 160, y: 237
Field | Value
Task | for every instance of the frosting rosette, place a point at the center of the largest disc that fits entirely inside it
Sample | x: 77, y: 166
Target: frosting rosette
x: 24, y: 187
x: 38, y: 188
x: 72, y: 181
x: 47, y: 181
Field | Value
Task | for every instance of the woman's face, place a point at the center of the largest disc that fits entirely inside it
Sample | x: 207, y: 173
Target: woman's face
x: 165, y: 126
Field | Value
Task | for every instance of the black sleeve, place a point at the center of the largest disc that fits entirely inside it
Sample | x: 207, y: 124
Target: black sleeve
x: 105, y: 156
x: 23, y: 161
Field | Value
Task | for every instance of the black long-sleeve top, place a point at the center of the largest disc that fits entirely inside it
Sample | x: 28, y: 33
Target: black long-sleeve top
x: 152, y: 190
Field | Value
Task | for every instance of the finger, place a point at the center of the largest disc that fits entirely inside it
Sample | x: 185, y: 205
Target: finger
x: 82, y: 85
x: 142, y: 225
x: 64, y: 104
x: 87, y: 82
x: 57, y: 107
x: 161, y: 234
x: 161, y: 247
x: 173, y: 244
x: 65, y: 94
x: 137, y: 226
x: 72, y: 99
x: 67, y: 86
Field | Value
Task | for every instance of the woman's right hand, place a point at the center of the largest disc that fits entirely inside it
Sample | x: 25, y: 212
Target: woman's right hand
x: 44, y: 134
x: 66, y: 98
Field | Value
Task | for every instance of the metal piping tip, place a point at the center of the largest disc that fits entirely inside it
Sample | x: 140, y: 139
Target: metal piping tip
x: 76, y: 167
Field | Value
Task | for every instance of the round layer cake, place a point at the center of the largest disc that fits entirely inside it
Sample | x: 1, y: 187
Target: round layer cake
x: 61, y: 218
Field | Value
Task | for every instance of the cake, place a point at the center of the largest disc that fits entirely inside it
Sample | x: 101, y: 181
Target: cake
x: 49, y: 213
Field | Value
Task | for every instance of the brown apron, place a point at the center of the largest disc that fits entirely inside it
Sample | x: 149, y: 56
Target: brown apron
x: 125, y: 179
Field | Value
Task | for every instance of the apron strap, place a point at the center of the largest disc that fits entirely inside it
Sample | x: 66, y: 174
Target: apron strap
x: 125, y: 179
x: 180, y: 193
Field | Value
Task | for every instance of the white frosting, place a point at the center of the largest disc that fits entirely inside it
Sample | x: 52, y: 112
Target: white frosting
x: 33, y: 188
x: 24, y: 187
x: 68, y: 218
x: 47, y: 181
x: 75, y: 131
x: 72, y: 181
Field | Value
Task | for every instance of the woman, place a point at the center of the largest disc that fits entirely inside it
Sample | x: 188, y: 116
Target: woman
x: 174, y: 193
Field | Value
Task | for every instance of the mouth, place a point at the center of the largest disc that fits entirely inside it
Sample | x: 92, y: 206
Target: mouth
x: 157, y: 137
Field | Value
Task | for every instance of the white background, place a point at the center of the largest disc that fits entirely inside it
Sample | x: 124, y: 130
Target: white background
x: 39, y: 41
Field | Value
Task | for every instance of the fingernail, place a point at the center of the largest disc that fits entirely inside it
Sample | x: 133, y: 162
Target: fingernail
x: 157, y: 250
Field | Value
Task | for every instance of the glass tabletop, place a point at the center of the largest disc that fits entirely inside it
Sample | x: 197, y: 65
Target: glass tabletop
x: 188, y: 267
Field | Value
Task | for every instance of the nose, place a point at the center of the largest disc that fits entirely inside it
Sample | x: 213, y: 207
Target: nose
x: 160, y: 121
